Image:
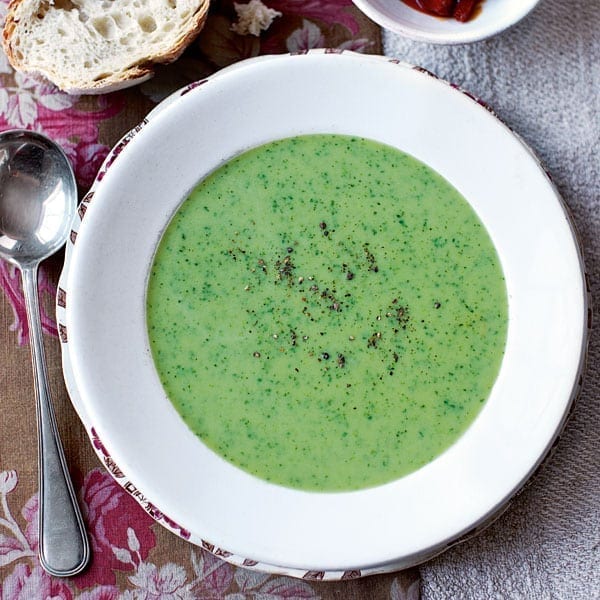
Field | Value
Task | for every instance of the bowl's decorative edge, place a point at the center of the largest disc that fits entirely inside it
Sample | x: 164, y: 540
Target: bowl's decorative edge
x: 125, y: 482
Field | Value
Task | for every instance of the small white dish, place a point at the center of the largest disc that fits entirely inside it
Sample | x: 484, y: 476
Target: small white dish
x: 140, y: 437
x: 494, y: 16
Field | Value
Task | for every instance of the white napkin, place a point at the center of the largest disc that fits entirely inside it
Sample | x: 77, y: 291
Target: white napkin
x: 542, y: 78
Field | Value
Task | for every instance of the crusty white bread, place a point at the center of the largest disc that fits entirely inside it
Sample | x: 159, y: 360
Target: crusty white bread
x: 98, y: 46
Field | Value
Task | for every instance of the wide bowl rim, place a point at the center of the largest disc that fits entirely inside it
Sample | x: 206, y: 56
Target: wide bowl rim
x: 103, y: 447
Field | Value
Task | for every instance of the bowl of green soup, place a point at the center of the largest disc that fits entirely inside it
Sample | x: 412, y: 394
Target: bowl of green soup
x: 325, y: 314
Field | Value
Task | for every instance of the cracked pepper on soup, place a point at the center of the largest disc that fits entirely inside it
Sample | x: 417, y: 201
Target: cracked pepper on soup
x: 327, y: 313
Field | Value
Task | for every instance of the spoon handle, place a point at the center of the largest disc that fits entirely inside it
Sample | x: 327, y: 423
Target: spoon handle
x: 63, y: 543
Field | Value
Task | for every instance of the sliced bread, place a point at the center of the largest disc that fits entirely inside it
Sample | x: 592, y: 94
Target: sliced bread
x: 98, y: 46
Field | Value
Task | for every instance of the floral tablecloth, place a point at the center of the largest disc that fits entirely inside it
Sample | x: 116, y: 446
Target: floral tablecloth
x: 133, y: 557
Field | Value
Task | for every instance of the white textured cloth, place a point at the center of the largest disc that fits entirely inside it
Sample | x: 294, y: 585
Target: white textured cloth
x: 543, y: 79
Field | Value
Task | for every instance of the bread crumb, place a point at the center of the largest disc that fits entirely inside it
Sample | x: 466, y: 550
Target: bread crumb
x: 253, y: 17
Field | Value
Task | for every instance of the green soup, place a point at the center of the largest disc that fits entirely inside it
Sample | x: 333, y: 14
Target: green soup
x: 327, y: 313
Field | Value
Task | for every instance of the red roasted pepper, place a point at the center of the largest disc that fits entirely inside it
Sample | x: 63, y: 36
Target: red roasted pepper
x: 461, y: 10
x: 464, y: 10
x: 442, y: 8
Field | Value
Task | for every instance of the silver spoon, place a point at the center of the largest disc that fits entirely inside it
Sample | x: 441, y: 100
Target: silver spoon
x: 38, y: 198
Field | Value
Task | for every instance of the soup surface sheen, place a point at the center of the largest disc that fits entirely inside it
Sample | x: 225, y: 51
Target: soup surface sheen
x: 327, y: 313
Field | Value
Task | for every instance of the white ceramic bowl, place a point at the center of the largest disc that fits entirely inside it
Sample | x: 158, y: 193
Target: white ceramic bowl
x: 495, y: 16
x: 139, y: 435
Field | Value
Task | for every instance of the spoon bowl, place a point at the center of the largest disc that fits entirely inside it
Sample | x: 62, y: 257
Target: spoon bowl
x: 38, y: 199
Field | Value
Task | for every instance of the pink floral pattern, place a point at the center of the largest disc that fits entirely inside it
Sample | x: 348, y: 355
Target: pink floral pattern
x: 101, y: 592
x: 331, y: 12
x: 10, y: 282
x: 117, y: 540
x: 27, y: 583
x: 122, y: 538
x: 30, y: 514
x: 26, y: 103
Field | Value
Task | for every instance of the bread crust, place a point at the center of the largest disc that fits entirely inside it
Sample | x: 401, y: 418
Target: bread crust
x: 133, y: 74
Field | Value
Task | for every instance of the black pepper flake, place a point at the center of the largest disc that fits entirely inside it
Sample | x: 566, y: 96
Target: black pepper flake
x: 326, y: 294
x: 399, y: 314
x: 349, y: 275
x: 290, y: 249
x: 262, y: 265
x: 374, y: 340
x: 285, y: 269
x: 256, y: 355
x: 371, y: 259
x: 341, y: 360
x: 325, y: 355
x: 436, y: 305
x: 323, y: 225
